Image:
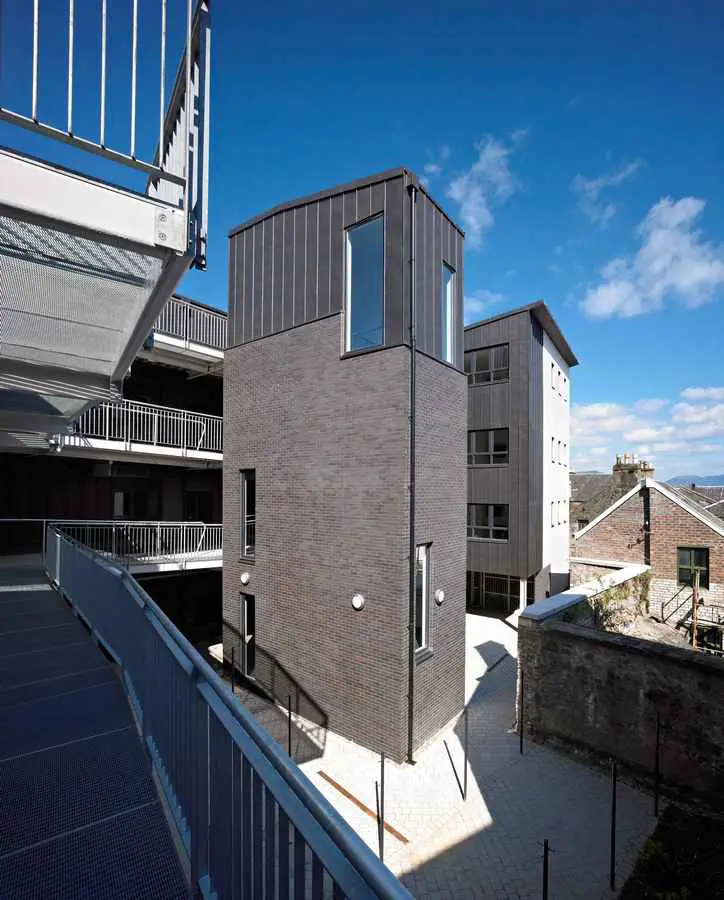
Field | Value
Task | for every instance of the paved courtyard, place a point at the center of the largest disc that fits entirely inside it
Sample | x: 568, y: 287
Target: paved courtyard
x: 491, y: 845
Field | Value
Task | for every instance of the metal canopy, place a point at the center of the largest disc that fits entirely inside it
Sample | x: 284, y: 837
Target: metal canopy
x: 86, y: 266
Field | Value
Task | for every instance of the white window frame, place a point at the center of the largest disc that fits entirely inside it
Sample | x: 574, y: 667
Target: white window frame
x: 422, y: 555
x: 447, y: 313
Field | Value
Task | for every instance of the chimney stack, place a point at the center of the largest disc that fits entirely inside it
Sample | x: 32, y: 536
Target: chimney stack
x: 628, y: 470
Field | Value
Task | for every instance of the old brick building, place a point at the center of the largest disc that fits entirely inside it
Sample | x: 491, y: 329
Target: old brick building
x: 344, y: 457
x: 655, y: 524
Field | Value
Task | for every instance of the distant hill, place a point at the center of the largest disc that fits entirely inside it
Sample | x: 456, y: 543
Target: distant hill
x: 703, y: 480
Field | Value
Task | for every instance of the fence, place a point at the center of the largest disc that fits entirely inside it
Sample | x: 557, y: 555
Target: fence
x: 192, y: 323
x: 132, y: 422
x: 249, y: 822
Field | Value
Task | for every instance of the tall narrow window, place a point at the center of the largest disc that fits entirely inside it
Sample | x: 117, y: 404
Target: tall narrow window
x: 422, y: 596
x: 364, y: 285
x: 446, y: 323
x: 248, y: 511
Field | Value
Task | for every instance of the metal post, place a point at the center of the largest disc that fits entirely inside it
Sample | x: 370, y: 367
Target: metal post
x: 382, y: 807
x: 289, y: 724
x: 520, y: 713
x: 35, y: 60
x: 694, y: 615
x: 465, y: 770
x: 546, y: 853
x: 233, y: 670
x: 612, y: 872
x: 657, y: 765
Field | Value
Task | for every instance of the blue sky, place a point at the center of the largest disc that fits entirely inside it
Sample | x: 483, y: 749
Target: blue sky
x: 579, y: 145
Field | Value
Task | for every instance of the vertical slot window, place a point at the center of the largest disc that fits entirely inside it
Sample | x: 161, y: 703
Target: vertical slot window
x: 446, y: 318
x: 364, y: 285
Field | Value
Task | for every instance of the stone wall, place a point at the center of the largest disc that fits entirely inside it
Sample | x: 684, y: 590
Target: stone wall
x: 582, y: 572
x: 602, y: 691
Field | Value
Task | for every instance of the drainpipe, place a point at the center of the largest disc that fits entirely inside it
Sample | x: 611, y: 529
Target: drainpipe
x: 647, y: 524
x: 412, y: 190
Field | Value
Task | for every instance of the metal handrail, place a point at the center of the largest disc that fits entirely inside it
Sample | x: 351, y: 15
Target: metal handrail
x: 211, y: 731
x: 666, y: 611
x: 134, y: 422
x: 192, y: 323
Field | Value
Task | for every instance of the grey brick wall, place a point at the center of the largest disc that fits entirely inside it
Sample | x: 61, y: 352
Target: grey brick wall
x: 329, y: 440
x: 440, y: 518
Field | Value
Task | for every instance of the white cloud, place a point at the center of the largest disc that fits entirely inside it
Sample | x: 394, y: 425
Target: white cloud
x: 673, y: 261
x: 436, y: 164
x: 670, y: 432
x: 651, y: 405
x: 486, y: 184
x: 589, y: 193
x: 702, y: 393
x: 519, y: 135
x: 477, y: 304
x: 433, y: 169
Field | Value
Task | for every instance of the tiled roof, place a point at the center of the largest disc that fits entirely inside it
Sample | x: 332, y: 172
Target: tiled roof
x: 585, y: 485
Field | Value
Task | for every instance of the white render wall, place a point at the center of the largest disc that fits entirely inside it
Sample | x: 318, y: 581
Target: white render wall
x: 556, y: 464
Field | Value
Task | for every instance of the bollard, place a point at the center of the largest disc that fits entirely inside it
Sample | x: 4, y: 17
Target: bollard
x: 520, y: 713
x: 546, y: 852
x: 612, y: 872
x: 382, y: 807
x: 289, y: 724
x: 657, y: 766
x: 465, y: 770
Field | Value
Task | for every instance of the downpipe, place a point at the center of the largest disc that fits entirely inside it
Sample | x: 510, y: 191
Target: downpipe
x: 412, y: 190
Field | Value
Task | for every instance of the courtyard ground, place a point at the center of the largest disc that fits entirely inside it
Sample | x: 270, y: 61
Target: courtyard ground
x: 490, y: 845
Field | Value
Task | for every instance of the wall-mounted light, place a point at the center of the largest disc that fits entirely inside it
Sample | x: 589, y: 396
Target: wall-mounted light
x: 439, y: 596
x: 358, y: 602
x: 245, y: 578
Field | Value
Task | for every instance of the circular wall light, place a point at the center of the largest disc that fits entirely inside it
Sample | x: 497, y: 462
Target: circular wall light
x: 245, y: 578
x: 439, y: 597
x: 358, y: 602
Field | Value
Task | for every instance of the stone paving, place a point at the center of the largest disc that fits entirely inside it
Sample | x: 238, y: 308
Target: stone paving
x: 490, y: 845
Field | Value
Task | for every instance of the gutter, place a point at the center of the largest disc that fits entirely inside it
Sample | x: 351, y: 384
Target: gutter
x: 412, y: 190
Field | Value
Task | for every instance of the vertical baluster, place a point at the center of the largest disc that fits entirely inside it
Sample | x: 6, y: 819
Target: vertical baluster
x: 104, y: 29
x: 134, y: 54
x: 71, y: 17
x: 35, y: 60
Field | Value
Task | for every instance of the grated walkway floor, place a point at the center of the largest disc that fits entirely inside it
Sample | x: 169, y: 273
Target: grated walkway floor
x: 79, y: 815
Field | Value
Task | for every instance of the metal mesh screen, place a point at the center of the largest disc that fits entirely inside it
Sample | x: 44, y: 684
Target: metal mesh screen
x: 69, y: 301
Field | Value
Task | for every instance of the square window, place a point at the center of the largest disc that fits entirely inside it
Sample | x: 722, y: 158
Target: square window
x: 691, y: 560
x: 488, y: 364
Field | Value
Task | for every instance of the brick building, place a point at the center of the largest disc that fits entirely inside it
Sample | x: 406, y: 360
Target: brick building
x: 655, y: 524
x: 344, y: 457
x: 594, y: 492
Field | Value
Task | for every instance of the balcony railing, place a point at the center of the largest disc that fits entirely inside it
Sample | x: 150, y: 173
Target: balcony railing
x: 192, y: 324
x: 130, y: 422
x: 250, y: 823
x: 145, y: 542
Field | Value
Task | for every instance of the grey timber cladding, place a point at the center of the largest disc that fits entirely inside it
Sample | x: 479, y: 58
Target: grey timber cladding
x: 498, y: 405
x: 287, y: 267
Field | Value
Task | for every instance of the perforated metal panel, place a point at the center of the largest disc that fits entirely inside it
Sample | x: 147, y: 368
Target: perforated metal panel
x: 69, y: 301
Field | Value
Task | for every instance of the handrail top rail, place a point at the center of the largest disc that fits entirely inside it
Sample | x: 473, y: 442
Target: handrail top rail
x: 54, y: 521
x: 195, y: 304
x: 152, y: 406
x: 364, y: 861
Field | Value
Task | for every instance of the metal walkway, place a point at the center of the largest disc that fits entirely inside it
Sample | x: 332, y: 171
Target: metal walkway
x: 79, y: 813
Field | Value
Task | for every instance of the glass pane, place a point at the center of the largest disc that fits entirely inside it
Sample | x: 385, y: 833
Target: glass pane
x: 500, y: 440
x: 685, y: 576
x: 468, y: 362
x: 418, y: 604
x: 365, y: 285
x: 482, y: 361
x: 500, y: 516
x: 700, y: 558
x: 500, y: 375
x: 446, y: 314
x: 684, y: 557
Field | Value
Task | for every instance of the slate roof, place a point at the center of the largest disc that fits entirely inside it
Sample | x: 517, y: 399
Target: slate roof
x: 585, y: 485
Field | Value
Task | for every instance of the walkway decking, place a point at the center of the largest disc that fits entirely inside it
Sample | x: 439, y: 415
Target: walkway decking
x: 79, y: 813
